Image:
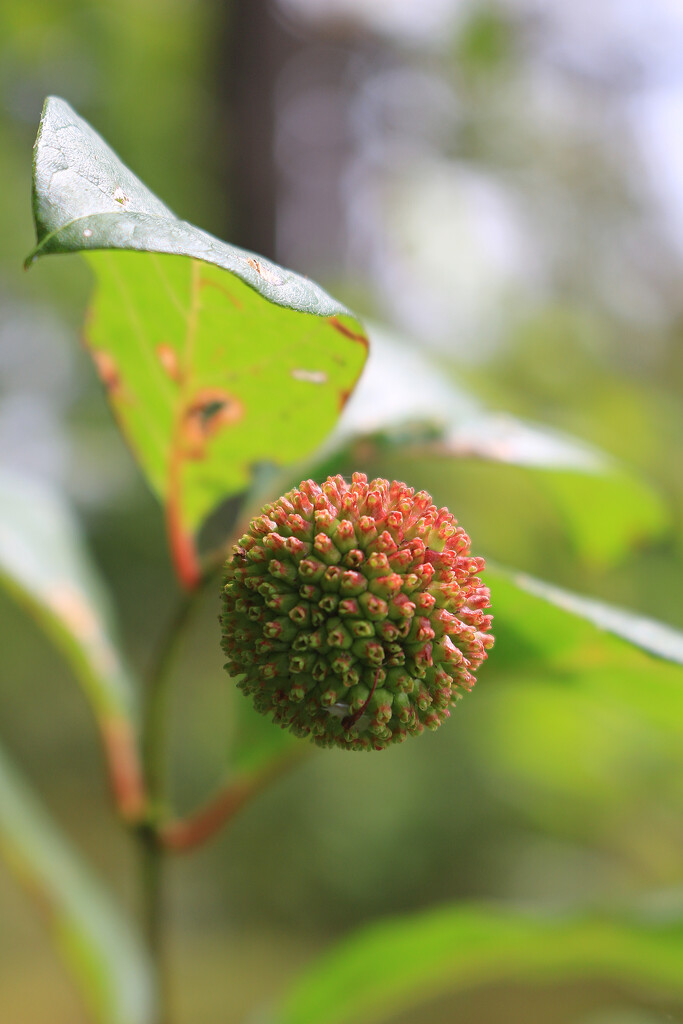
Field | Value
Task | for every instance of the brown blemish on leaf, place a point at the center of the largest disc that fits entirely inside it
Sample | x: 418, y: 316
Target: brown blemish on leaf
x: 209, y: 412
x: 266, y: 273
x: 347, y: 332
x: 168, y: 357
x: 108, y: 371
x: 125, y: 773
x: 343, y: 399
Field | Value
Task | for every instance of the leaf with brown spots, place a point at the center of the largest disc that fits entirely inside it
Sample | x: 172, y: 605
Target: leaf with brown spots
x: 215, y: 361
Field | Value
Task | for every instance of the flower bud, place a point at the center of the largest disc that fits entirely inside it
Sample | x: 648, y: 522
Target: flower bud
x: 353, y: 613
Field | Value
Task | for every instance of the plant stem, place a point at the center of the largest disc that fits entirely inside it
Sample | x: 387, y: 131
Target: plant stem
x: 122, y: 756
x: 185, y: 834
x: 154, y: 732
x: 154, y: 743
x: 151, y: 863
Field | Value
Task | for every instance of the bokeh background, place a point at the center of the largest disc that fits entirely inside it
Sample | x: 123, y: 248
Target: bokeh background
x: 501, y: 183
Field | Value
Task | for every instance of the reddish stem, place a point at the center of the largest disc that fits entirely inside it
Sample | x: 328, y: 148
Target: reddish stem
x: 125, y: 770
x: 183, y: 550
x: 188, y: 833
x: 181, y: 541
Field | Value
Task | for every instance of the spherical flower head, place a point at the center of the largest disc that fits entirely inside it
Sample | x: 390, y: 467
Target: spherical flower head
x: 353, y: 614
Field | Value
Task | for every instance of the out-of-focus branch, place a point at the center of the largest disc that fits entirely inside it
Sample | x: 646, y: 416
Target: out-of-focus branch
x: 187, y: 834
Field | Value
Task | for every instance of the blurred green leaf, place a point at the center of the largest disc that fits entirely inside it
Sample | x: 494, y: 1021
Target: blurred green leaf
x: 98, y: 944
x: 485, y: 42
x: 404, y: 403
x: 214, y: 360
x: 45, y: 565
x: 581, y: 723
x: 606, y: 516
x: 402, y: 392
x: 654, y: 637
x: 389, y: 967
x: 543, y: 630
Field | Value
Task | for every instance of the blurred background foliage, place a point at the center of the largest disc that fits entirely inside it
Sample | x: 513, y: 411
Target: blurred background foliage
x: 502, y: 184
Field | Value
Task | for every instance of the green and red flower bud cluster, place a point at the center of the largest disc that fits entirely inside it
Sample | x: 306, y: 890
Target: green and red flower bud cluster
x: 354, y: 613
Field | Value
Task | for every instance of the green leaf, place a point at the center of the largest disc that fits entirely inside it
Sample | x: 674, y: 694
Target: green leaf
x: 607, y: 515
x: 402, y: 962
x: 214, y: 360
x: 45, y: 566
x: 98, y: 944
x: 619, y: 723
x: 580, y: 714
x: 406, y: 404
x: 405, y: 398
x: 548, y: 633
x: 654, y: 637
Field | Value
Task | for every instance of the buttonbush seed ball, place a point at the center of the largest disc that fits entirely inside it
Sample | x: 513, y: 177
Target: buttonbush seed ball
x: 353, y: 613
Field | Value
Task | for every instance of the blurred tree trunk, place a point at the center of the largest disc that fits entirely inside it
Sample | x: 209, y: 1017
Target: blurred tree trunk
x: 287, y: 92
x: 255, y: 48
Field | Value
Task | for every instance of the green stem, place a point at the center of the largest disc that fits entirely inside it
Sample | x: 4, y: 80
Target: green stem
x: 151, y: 854
x: 154, y: 761
x: 154, y: 731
